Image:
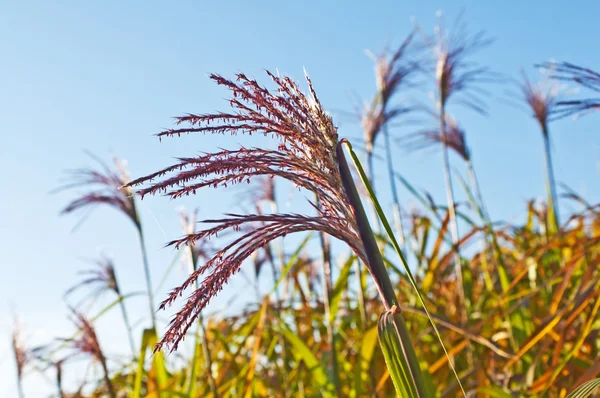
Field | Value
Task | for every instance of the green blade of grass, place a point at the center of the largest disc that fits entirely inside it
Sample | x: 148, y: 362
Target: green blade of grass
x: 194, y: 366
x: 417, y: 195
x: 585, y: 390
x: 139, y: 375
x: 168, y: 270
x: 115, y: 303
x: 149, y: 339
x: 303, y: 353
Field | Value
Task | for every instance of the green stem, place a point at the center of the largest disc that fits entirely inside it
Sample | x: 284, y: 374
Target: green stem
x: 201, y: 334
x: 207, y: 359
x: 371, y: 174
x: 329, y: 317
x: 278, y: 306
x: 19, y: 370
x: 553, y: 221
x: 362, y: 304
x: 109, y: 386
x: 479, y: 198
x: 453, y: 223
x: 58, y: 367
x: 138, y: 224
x: 487, y: 220
x: 147, y: 276
x: 390, y: 166
x: 126, y: 321
x: 20, y: 388
x: 282, y: 341
x: 370, y: 166
x: 374, y: 262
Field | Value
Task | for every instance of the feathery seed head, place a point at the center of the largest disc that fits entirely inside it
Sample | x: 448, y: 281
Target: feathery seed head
x: 392, y: 72
x: 454, y: 73
x: 21, y: 354
x: 100, y: 279
x: 86, y: 343
x: 305, y: 155
x: 455, y: 139
x: 583, y: 77
x: 542, y: 99
x: 105, y: 186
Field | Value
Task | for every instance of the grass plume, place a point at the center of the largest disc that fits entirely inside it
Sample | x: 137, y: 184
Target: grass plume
x: 305, y: 156
x: 106, y: 186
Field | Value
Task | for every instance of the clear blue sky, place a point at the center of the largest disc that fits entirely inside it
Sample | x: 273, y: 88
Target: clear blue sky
x: 105, y: 77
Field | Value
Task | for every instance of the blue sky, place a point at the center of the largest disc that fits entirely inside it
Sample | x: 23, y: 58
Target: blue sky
x: 104, y: 77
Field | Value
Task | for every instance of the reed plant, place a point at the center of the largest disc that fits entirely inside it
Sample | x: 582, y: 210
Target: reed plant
x: 99, y: 280
x: 542, y: 100
x: 106, y: 186
x: 457, y: 78
x: 500, y: 310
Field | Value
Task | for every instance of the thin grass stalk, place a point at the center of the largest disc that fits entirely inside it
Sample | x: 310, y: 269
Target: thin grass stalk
x: 279, y: 308
x: 487, y: 220
x: 147, y: 275
x: 329, y: 317
x: 553, y: 221
x: 20, y: 392
x: 452, y: 211
x: 378, y: 271
x: 542, y: 100
x: 371, y: 167
x: 362, y: 306
x: 20, y: 355
x: 127, y: 324
x: 194, y: 365
x: 109, y: 386
x: 126, y: 321
x: 476, y: 189
x: 456, y: 76
x: 200, y: 333
x: 59, y: 386
x: 281, y: 337
x: 212, y: 383
x: 396, y: 207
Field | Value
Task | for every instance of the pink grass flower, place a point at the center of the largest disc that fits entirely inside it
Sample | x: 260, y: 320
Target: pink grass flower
x: 305, y: 155
x: 103, y: 186
x: 454, y: 138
